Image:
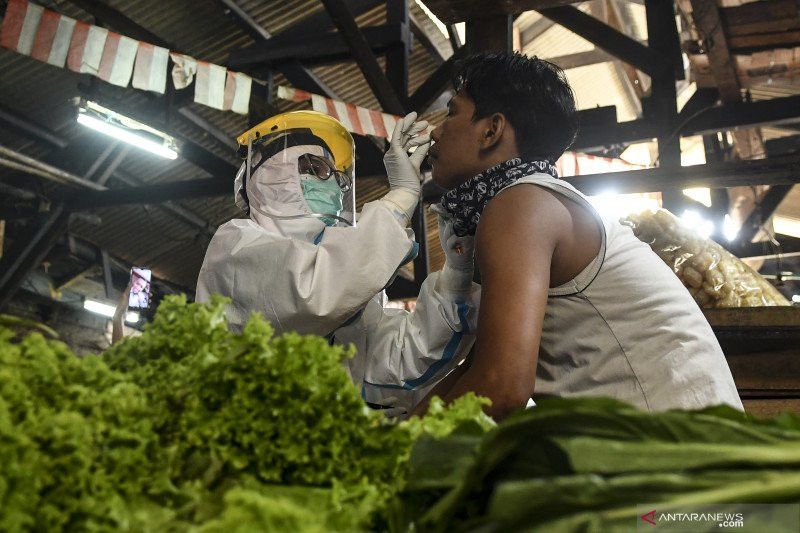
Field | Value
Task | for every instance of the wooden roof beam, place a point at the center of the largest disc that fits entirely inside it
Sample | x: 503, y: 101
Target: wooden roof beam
x: 784, y: 170
x: 607, y: 38
x: 763, y: 211
x: 770, y: 171
x: 313, y: 50
x: 717, y: 118
x: 452, y: 11
x: 345, y: 22
x: 707, y: 18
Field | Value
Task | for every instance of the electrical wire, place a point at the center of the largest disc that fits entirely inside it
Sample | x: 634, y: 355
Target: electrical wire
x: 772, y: 241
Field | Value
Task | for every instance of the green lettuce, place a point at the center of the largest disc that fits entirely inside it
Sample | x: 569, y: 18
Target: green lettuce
x: 191, y: 424
x: 193, y: 428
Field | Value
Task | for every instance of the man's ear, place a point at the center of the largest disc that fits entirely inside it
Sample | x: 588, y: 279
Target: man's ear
x: 495, y: 127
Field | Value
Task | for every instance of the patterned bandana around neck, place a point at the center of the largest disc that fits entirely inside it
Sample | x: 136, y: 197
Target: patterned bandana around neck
x: 466, y: 202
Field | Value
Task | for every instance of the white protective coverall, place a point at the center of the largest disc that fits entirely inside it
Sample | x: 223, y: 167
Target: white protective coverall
x: 307, y: 277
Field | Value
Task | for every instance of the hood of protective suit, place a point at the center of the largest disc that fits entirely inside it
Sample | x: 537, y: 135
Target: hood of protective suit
x: 276, y: 192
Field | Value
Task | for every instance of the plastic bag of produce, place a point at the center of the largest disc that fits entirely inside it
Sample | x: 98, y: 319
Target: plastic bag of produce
x: 714, y: 277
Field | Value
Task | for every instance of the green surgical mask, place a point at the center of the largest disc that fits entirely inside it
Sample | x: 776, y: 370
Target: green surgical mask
x: 323, y: 197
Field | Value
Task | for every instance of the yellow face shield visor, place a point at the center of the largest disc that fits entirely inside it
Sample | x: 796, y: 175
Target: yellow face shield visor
x: 327, y: 128
x: 280, y: 134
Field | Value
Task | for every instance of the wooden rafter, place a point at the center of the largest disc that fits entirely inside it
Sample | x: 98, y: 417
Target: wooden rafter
x: 605, y: 37
x: 774, y: 170
x: 345, y: 22
x: 581, y: 59
x: 632, y: 80
x: 706, y: 15
x: 452, y: 11
x: 749, y: 143
x: 763, y: 211
x: 608, y: 12
x: 313, y: 50
x: 707, y: 19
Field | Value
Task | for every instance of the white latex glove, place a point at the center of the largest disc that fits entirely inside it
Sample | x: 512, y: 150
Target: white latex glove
x: 402, y: 169
x: 459, y: 254
x: 389, y: 409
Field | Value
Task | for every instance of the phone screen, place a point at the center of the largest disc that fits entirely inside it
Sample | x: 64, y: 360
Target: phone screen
x: 140, y: 288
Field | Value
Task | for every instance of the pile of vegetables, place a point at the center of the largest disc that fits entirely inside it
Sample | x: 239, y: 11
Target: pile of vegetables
x: 583, y: 465
x: 190, y: 427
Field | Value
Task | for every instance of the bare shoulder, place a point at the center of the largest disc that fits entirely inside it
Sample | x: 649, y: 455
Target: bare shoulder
x: 525, y: 212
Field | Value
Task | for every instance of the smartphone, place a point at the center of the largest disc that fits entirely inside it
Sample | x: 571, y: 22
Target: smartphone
x: 139, y: 297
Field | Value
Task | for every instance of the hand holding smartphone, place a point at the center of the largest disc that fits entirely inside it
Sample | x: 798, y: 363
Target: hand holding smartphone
x: 140, y: 294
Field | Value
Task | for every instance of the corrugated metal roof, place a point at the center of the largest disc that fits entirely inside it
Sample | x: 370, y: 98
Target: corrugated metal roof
x: 586, y: 80
x: 440, y: 40
x: 277, y: 16
x: 557, y: 41
x: 638, y: 17
x: 195, y: 27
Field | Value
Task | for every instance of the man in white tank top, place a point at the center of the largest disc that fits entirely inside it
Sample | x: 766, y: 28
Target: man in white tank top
x: 572, y: 303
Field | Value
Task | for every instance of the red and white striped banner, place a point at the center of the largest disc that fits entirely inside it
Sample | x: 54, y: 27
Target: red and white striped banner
x: 150, y: 69
x: 237, y: 92
x: 45, y: 35
x: 31, y: 30
x: 51, y: 44
x: 19, y: 26
x: 356, y: 119
x: 209, y: 85
x: 86, y: 48
x: 214, y: 86
x: 116, y: 65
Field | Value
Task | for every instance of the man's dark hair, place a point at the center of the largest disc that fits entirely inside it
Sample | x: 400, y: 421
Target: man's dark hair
x: 533, y: 95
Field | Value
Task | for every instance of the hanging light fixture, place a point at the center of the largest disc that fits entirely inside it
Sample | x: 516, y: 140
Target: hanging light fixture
x: 113, y: 124
x: 108, y: 310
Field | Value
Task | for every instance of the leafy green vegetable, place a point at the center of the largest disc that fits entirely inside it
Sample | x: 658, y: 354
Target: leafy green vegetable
x: 515, y: 503
x: 191, y: 427
x: 24, y: 326
x: 279, y: 409
x: 542, y: 468
x: 191, y: 424
x: 75, y: 439
x: 465, y: 413
x: 280, y: 508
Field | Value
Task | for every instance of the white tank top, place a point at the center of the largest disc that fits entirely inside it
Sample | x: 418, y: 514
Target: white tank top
x: 626, y: 327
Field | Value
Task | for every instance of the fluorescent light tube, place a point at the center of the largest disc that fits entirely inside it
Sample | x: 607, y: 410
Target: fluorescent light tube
x: 99, y: 307
x: 126, y: 136
x: 108, y: 310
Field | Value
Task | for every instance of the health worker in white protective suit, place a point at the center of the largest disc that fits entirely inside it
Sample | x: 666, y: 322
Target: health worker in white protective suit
x: 301, y: 260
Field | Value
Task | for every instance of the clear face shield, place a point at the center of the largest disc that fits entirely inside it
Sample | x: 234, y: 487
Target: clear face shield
x: 294, y: 176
